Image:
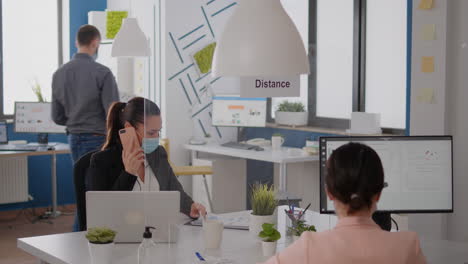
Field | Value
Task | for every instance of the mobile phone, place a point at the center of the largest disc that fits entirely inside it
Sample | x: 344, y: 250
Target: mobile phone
x: 129, y: 139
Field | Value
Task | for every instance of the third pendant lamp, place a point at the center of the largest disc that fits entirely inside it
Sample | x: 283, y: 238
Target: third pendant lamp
x: 260, y: 39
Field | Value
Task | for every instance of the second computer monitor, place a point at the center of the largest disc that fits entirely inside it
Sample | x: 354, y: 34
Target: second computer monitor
x: 417, y: 169
x: 35, y: 117
x: 239, y: 111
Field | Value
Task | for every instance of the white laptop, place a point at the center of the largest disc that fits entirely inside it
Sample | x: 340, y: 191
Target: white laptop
x: 129, y: 212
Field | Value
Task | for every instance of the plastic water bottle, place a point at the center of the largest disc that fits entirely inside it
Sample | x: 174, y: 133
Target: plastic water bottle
x: 147, y: 248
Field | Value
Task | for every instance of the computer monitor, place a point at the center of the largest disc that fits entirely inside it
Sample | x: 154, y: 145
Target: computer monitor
x: 239, y: 111
x: 3, y: 132
x: 35, y: 117
x: 418, y: 172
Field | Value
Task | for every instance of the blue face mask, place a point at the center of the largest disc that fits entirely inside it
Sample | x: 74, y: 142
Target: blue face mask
x: 95, y: 55
x: 149, y: 145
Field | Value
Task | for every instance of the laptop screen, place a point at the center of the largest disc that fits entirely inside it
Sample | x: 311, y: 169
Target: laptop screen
x: 3, y: 132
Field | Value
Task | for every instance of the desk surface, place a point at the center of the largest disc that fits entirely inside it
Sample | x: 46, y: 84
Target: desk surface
x: 237, y: 245
x: 60, y: 148
x: 73, y: 248
x: 285, y: 155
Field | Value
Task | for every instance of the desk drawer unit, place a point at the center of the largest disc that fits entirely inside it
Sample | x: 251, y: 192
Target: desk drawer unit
x: 13, y: 180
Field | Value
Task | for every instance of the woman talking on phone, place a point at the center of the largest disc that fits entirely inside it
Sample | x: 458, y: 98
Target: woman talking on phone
x: 131, y: 158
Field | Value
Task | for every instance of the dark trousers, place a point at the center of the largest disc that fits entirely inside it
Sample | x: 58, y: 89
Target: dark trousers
x: 80, y: 144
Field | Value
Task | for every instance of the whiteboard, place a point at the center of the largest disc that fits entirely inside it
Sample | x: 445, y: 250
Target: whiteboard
x: 35, y: 117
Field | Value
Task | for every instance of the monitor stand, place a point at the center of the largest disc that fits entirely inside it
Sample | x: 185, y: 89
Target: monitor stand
x: 384, y: 220
x: 43, y: 139
x: 240, y: 134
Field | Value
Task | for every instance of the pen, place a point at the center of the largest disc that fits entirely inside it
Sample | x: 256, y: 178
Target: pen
x: 303, y: 212
x: 199, y: 256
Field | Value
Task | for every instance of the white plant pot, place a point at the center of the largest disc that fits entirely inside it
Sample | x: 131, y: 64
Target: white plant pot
x: 256, y: 222
x: 269, y: 248
x: 291, y: 118
x: 101, y: 253
x: 295, y: 238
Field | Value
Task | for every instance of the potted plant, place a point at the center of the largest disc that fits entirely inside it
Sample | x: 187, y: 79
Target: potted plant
x: 300, y: 228
x: 36, y: 88
x: 270, y: 237
x: 101, y: 244
x: 264, y: 203
x: 291, y: 114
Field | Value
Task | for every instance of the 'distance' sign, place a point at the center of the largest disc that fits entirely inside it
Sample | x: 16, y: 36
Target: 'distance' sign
x: 270, y: 86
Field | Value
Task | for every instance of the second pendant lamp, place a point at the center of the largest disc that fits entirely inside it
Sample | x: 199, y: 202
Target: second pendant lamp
x: 260, y: 39
x: 130, y: 41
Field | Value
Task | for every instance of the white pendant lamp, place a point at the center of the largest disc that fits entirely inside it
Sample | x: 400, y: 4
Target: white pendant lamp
x: 130, y: 41
x: 260, y: 39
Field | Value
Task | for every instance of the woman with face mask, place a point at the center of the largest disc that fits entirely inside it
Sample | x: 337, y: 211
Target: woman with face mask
x: 115, y: 168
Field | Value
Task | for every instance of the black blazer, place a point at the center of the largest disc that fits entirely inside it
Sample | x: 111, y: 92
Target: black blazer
x: 107, y: 173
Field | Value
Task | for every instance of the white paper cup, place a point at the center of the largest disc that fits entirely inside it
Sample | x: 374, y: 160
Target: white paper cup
x: 213, y: 233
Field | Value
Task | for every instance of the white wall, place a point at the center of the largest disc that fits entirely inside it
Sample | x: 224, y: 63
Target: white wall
x: 429, y: 118
x: 180, y: 101
x: 457, y: 112
x: 448, y: 115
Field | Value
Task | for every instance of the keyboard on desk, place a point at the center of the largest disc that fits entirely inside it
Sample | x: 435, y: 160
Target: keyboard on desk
x: 25, y: 147
x: 243, y: 146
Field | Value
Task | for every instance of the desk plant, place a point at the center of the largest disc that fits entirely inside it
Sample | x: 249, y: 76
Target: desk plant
x: 299, y: 228
x: 263, y: 201
x: 291, y: 114
x: 270, y: 237
x: 101, y: 244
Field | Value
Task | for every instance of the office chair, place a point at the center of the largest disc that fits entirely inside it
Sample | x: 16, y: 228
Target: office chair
x: 190, y: 171
x: 79, y: 178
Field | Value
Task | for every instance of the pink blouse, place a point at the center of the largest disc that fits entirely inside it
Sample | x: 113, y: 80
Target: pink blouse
x: 353, y: 240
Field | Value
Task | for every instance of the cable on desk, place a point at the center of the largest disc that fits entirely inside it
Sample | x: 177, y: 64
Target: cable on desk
x: 396, y: 224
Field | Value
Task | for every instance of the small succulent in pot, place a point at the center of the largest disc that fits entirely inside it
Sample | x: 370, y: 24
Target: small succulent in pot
x: 100, y: 235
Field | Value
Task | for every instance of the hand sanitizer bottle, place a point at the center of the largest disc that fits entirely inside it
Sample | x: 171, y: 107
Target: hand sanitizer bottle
x: 147, y: 248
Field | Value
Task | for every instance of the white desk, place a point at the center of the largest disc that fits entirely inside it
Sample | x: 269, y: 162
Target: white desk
x: 237, y: 245
x: 282, y: 157
x: 59, y: 148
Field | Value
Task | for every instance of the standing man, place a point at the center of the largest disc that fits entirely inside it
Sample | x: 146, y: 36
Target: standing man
x: 82, y: 91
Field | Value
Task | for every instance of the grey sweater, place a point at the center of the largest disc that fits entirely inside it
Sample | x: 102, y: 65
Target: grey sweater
x: 82, y: 91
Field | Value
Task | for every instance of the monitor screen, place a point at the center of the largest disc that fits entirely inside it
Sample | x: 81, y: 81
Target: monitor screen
x: 239, y: 111
x: 3, y: 132
x: 34, y: 117
x: 418, y: 172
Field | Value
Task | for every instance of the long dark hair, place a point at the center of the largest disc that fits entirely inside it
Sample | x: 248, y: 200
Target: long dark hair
x: 355, y: 175
x: 133, y: 112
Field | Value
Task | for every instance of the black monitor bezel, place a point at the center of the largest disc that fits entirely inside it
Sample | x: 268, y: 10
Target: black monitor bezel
x: 322, y: 161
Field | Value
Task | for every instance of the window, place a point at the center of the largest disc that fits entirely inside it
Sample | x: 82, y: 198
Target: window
x: 298, y: 11
x: 357, y: 50
x: 386, y: 23
x: 30, y: 49
x: 334, y: 58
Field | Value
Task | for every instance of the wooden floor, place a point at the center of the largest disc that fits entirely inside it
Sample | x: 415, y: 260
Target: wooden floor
x: 18, y: 224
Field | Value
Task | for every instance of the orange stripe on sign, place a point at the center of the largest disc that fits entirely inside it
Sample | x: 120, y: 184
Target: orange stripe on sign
x: 236, y: 107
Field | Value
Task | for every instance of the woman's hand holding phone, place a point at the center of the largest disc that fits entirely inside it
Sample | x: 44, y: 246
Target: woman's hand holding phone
x: 134, y: 163
x: 133, y: 156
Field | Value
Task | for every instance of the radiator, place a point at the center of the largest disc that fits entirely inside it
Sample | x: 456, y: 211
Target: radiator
x: 13, y: 180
